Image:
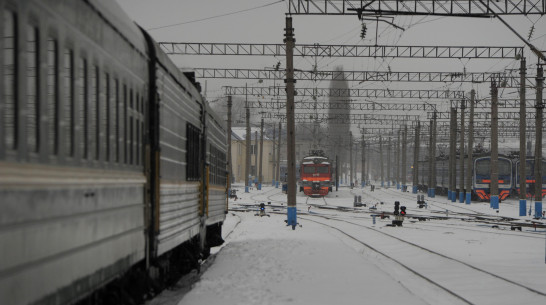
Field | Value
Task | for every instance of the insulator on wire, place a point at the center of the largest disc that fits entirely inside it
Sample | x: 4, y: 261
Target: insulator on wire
x: 363, y: 31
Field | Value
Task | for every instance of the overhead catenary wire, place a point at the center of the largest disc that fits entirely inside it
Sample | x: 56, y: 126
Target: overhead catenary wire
x: 217, y: 16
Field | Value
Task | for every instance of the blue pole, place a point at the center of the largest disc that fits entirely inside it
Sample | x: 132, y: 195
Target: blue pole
x: 461, y: 197
x: 538, y: 209
x: 522, y: 207
x: 414, y: 191
x: 397, y: 185
x: 246, y: 188
x: 453, y: 196
x: 448, y: 194
x: 433, y: 192
x: 292, y: 217
x: 468, y: 197
x: 494, y: 201
x: 276, y: 184
x: 259, y: 186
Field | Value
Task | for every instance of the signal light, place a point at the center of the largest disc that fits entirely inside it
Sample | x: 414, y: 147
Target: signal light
x: 403, y: 210
x: 396, y: 207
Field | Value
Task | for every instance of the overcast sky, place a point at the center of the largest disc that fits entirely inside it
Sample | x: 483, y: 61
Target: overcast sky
x: 266, y: 25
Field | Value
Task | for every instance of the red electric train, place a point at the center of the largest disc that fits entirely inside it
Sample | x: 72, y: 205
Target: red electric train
x: 316, y: 174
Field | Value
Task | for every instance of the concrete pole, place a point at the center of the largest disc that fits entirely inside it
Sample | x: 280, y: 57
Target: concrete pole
x: 389, y: 152
x: 538, y: 143
x: 461, y: 156
x: 247, y: 154
x: 452, y: 192
x: 350, y: 159
x: 290, y: 125
x: 398, y: 185
x: 404, y: 157
x: 381, y: 160
x: 278, y: 172
x: 522, y: 148
x: 494, y: 189
x: 430, y: 158
x: 363, y: 172
x: 416, y: 158
x: 261, y: 155
x: 434, y: 135
x: 229, y: 161
x: 470, y: 160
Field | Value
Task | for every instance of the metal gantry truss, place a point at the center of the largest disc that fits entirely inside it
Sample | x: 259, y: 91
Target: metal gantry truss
x: 247, y: 49
x: 339, y: 118
x: 502, y: 103
x: 375, y: 93
x: 484, y: 115
x: 507, y: 80
x: 352, y: 105
x: 466, y: 8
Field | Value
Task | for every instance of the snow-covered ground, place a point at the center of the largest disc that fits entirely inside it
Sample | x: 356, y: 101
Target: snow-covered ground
x: 338, y: 256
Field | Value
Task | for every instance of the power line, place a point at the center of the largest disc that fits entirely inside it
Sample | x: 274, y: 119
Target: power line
x: 217, y: 16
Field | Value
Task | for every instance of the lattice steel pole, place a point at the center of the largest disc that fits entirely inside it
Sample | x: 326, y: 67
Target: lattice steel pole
x: 261, y: 155
x: 398, y: 180
x: 434, y: 135
x: 278, y: 171
x: 273, y: 155
x: 363, y: 173
x: 247, y: 153
x: 430, y: 158
x: 404, y: 157
x: 350, y: 159
x: 229, y: 161
x: 389, y: 163
x: 290, y: 128
x: 416, y: 158
x: 381, y: 160
x: 494, y: 189
x: 461, y: 156
x: 538, y: 146
x: 470, y: 160
x: 522, y: 148
x: 452, y: 155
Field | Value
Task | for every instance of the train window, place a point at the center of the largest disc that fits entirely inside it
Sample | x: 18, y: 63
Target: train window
x: 10, y: 79
x: 32, y: 89
x: 106, y: 116
x: 131, y: 127
x: 131, y: 140
x: 93, y: 77
x: 83, y: 103
x: 52, y: 100
x: 137, y: 123
x: 308, y: 169
x: 322, y: 169
x: 102, y: 119
x: 192, y: 152
x: 483, y: 167
x: 69, y: 100
x: 505, y: 168
x: 115, y: 119
x: 124, y: 120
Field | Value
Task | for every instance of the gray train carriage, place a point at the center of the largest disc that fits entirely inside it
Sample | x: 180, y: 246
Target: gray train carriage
x: 72, y: 181
x: 216, y: 208
x: 189, y: 204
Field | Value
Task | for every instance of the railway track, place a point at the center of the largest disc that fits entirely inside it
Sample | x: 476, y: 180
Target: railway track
x: 403, y: 256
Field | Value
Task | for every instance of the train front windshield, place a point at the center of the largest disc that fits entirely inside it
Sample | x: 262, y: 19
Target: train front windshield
x: 483, y: 168
x: 312, y: 169
x: 308, y: 169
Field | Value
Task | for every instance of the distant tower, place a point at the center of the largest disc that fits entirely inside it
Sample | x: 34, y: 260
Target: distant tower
x: 339, y: 133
